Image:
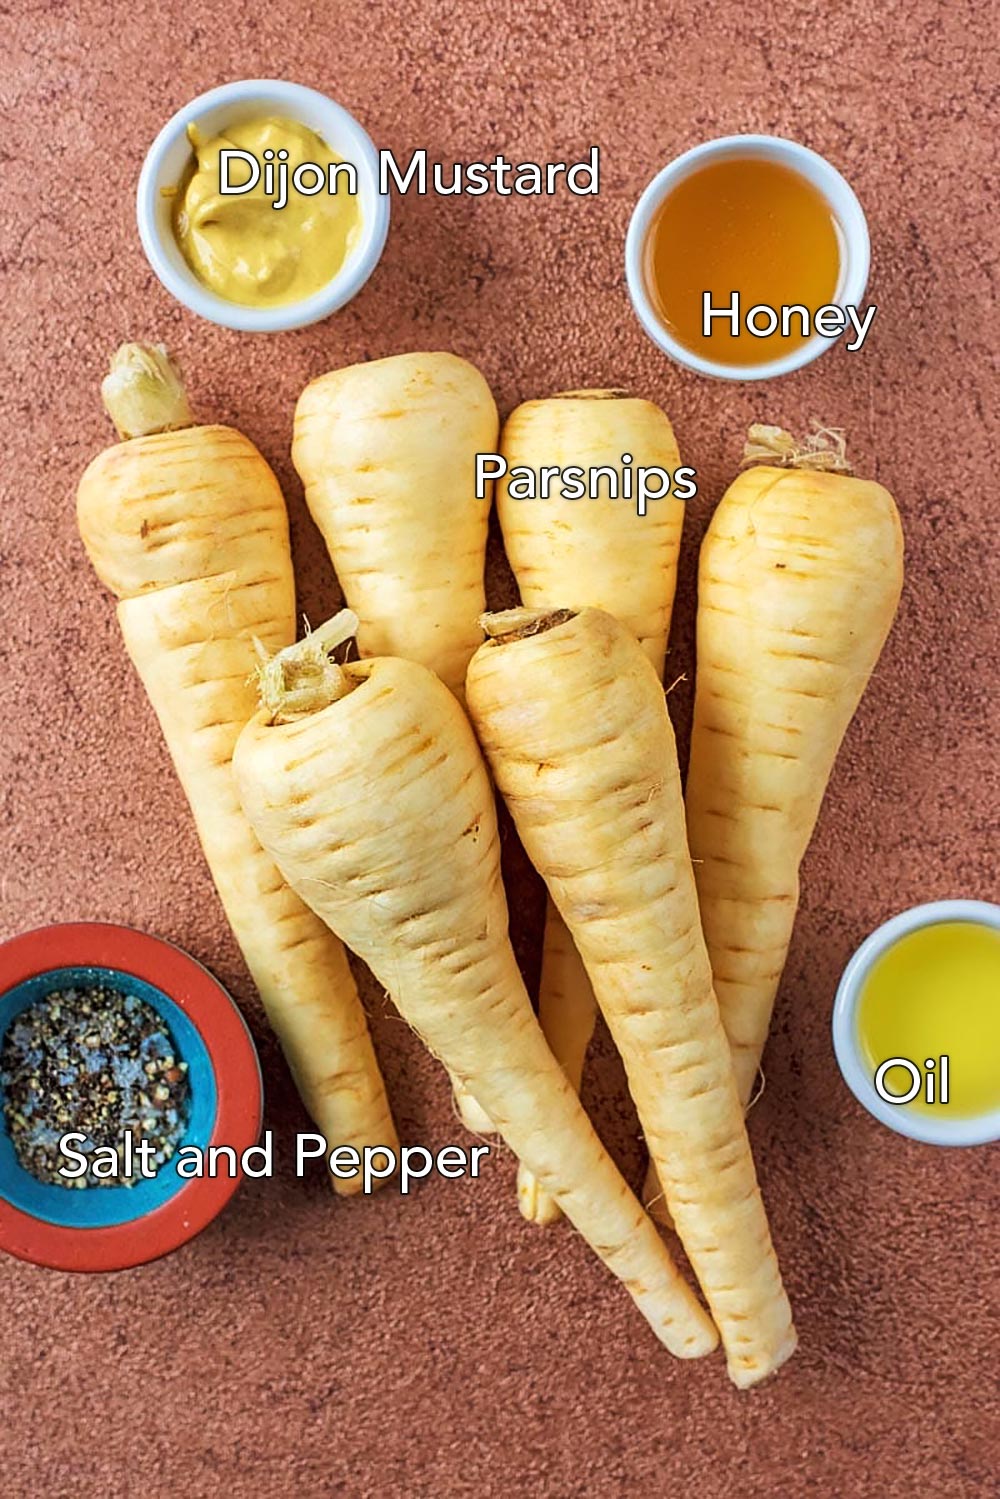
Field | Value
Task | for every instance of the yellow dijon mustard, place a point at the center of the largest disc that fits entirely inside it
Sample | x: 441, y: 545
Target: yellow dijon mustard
x: 244, y: 248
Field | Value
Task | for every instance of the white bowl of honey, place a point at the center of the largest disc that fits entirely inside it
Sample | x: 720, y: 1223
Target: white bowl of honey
x: 916, y: 1023
x: 771, y: 235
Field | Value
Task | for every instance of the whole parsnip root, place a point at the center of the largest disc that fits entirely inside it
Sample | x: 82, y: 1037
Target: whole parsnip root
x: 572, y: 717
x: 373, y: 800
x: 799, y: 578
x: 187, y: 526
x: 599, y: 552
x: 387, y: 453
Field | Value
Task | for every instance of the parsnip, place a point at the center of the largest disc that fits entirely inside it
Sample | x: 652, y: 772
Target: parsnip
x: 621, y: 561
x: 599, y: 552
x: 799, y: 578
x: 572, y: 717
x: 186, y: 525
x: 386, y: 452
x: 366, y: 786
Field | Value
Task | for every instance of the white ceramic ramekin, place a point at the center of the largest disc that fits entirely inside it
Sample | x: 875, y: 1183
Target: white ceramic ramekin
x: 855, y: 250
x: 933, y: 1129
x: 234, y: 103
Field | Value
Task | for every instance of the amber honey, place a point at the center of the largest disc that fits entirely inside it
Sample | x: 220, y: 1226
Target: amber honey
x: 745, y: 225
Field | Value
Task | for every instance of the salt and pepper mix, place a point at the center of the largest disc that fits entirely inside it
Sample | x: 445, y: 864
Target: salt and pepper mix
x: 93, y: 1061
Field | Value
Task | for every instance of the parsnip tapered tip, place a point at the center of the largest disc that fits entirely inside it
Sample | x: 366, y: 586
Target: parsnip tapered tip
x: 536, y: 1205
x: 699, y: 1344
x: 745, y: 1374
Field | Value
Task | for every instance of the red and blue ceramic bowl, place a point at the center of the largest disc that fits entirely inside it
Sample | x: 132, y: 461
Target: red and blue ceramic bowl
x: 114, y: 1227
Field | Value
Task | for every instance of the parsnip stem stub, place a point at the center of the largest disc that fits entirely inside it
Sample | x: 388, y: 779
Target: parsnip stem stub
x: 143, y: 392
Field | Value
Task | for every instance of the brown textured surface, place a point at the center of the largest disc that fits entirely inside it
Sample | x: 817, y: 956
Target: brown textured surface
x: 436, y: 1345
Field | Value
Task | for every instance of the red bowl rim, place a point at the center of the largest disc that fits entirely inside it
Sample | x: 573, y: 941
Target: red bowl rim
x: 239, y: 1107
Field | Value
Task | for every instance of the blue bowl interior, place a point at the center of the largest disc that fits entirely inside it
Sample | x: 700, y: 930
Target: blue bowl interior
x: 103, y: 1207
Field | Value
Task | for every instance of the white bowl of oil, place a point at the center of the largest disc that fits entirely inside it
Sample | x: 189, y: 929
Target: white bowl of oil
x: 220, y: 109
x: 916, y: 1023
x: 753, y: 214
